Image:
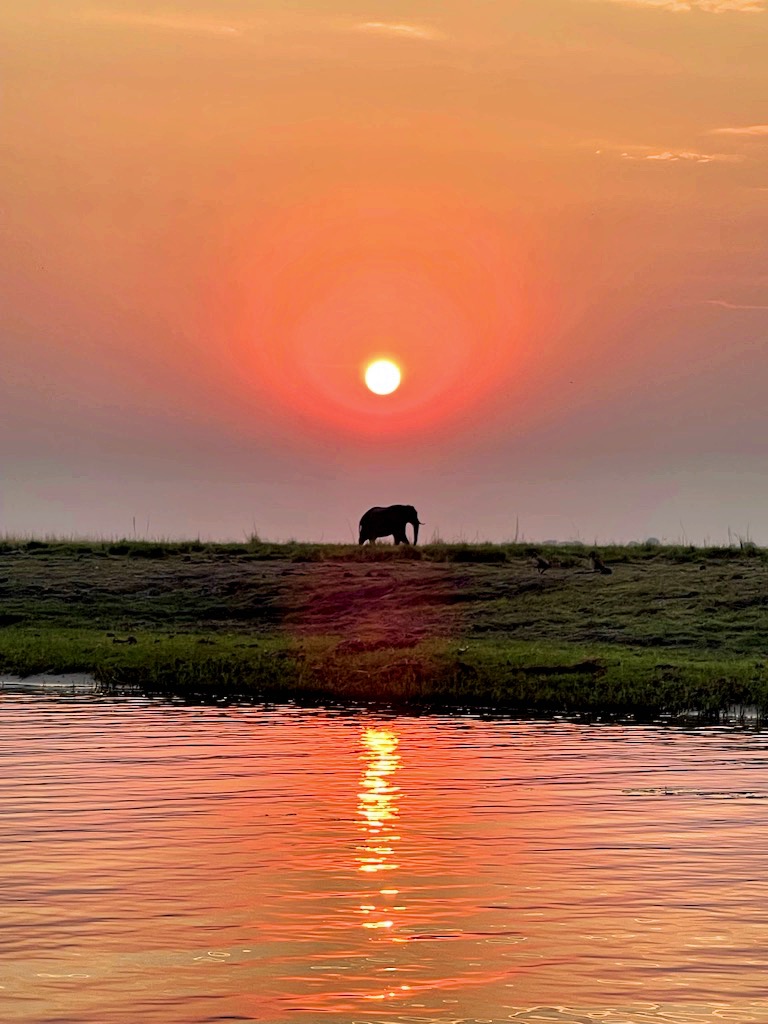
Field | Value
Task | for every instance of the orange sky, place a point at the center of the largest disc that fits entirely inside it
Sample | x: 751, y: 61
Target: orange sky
x: 552, y: 213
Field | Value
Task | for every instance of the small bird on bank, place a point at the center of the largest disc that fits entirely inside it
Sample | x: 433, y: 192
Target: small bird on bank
x: 598, y: 565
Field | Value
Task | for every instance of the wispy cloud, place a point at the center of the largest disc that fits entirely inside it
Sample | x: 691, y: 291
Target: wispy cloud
x: 708, y: 6
x: 167, y: 22
x: 689, y: 156
x: 734, y: 305
x: 671, y: 156
x: 750, y: 131
x: 191, y: 24
x: 400, y: 28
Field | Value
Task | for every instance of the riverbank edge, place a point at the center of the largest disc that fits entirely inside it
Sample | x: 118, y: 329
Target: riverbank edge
x: 437, y: 673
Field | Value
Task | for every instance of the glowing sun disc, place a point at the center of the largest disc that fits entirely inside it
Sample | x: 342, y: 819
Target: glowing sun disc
x: 382, y: 377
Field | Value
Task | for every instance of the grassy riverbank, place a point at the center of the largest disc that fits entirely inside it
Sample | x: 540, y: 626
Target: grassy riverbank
x: 668, y: 630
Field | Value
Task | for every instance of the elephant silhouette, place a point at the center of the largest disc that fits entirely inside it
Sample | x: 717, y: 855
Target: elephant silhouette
x: 389, y: 521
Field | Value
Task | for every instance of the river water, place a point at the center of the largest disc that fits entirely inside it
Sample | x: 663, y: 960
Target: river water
x: 180, y: 864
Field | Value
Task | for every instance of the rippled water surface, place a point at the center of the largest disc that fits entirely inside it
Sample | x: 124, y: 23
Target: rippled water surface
x: 175, y: 865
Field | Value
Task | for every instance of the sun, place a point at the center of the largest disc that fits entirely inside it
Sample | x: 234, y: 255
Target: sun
x: 382, y: 377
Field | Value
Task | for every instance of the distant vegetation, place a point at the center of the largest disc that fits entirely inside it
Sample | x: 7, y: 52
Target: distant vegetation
x: 673, y: 628
x: 563, y: 552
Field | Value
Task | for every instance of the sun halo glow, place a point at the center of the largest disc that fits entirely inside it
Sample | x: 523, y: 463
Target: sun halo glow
x: 382, y: 377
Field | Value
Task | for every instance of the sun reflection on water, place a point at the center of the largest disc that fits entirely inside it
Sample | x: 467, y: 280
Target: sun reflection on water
x: 379, y: 812
x: 378, y: 801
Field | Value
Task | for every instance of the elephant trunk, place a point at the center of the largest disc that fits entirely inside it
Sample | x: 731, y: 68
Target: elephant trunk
x: 415, y: 531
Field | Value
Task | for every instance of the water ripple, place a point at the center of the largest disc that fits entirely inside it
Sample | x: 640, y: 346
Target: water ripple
x: 181, y: 864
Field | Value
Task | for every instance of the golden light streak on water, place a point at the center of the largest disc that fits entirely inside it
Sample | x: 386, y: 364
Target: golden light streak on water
x: 378, y: 800
x: 379, y: 811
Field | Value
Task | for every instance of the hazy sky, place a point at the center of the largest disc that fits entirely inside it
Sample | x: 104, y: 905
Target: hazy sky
x: 552, y: 213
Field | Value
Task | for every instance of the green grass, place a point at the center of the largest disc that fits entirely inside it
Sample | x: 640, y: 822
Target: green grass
x: 514, y: 675
x: 671, y: 629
